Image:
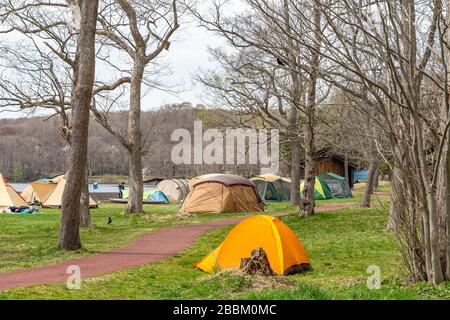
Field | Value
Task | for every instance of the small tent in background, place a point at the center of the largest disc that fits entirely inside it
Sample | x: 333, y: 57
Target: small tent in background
x: 284, y: 250
x: 39, y: 190
x: 55, y: 198
x: 8, y: 196
x: 338, y: 185
x: 321, y: 189
x: 152, y: 196
x: 272, y: 188
x: 219, y: 193
x: 156, y: 195
x: 175, y: 189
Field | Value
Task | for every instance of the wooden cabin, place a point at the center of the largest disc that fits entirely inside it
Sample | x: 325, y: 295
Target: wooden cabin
x: 329, y: 161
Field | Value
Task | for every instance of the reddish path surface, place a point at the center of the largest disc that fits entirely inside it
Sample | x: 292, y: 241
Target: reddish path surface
x: 152, y: 247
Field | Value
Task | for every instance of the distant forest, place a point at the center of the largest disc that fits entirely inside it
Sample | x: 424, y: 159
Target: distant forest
x: 32, y: 148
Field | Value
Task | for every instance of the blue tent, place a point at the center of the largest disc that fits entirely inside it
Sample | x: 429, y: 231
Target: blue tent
x: 156, y: 195
x: 153, y: 196
x: 360, y: 175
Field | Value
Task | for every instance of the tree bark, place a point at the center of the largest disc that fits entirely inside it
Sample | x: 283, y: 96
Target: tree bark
x: 295, y: 158
x: 376, y: 178
x: 346, y: 174
x: 84, y: 73
x: 308, y: 203
x: 134, y: 139
x: 85, y: 211
x: 368, y: 190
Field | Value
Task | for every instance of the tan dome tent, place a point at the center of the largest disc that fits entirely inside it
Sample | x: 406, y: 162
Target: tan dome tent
x: 194, y: 181
x: 55, y: 198
x: 38, y: 191
x: 222, y: 193
x: 8, y: 196
x: 175, y: 189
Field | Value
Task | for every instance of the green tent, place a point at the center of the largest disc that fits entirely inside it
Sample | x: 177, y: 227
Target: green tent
x: 272, y: 188
x: 338, y: 185
x: 321, y: 189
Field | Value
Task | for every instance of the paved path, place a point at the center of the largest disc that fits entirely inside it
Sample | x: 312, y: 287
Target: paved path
x: 155, y: 246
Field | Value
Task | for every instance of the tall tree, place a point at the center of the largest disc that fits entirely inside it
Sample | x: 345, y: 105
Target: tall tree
x: 142, y: 31
x: 85, y: 16
x: 271, y: 75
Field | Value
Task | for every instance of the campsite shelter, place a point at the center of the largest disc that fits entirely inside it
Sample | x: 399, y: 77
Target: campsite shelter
x: 284, y: 250
x: 8, y: 196
x: 55, y: 198
x: 321, y: 189
x: 272, y: 188
x: 149, y: 196
x: 39, y: 190
x: 338, y: 185
x: 175, y: 189
x: 193, y: 181
x: 222, y: 193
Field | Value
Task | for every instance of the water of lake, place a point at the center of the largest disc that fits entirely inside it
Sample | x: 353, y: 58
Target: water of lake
x: 102, y: 188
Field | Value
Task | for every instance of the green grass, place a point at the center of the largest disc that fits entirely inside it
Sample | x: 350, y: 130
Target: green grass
x: 341, y: 245
x: 31, y: 240
x: 109, y: 178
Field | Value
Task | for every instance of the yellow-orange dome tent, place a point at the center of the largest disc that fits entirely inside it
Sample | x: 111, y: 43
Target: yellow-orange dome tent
x: 284, y: 250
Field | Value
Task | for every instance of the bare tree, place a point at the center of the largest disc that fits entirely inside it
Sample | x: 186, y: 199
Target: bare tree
x: 270, y: 74
x: 84, y: 11
x: 142, y: 30
x: 40, y: 69
x: 398, y: 84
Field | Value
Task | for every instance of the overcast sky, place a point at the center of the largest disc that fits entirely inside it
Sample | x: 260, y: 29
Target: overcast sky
x: 188, y: 54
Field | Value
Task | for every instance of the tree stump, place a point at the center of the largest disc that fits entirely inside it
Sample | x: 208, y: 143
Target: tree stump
x: 257, y: 263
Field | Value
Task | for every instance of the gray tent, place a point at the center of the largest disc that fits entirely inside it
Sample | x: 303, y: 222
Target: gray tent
x: 175, y: 189
x: 338, y: 185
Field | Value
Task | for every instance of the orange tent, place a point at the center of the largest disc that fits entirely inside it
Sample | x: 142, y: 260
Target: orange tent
x: 284, y: 250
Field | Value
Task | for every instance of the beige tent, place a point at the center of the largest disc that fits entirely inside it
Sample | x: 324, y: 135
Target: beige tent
x: 222, y: 193
x: 8, y: 196
x: 175, y: 189
x: 38, y: 191
x: 194, y: 181
x: 55, y: 198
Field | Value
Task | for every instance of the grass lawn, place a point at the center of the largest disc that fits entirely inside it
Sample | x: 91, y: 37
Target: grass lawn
x: 31, y: 240
x: 342, y: 245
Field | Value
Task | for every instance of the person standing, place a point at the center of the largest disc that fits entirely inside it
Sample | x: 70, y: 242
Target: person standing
x: 121, y: 187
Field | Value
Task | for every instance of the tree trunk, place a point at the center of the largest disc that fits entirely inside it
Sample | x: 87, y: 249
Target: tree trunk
x: 295, y: 158
x: 376, y: 178
x: 346, y: 173
x: 134, y: 140
x: 293, y: 130
x: 308, y: 203
x: 85, y: 214
x: 368, y: 190
x: 397, y: 200
x: 84, y: 73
